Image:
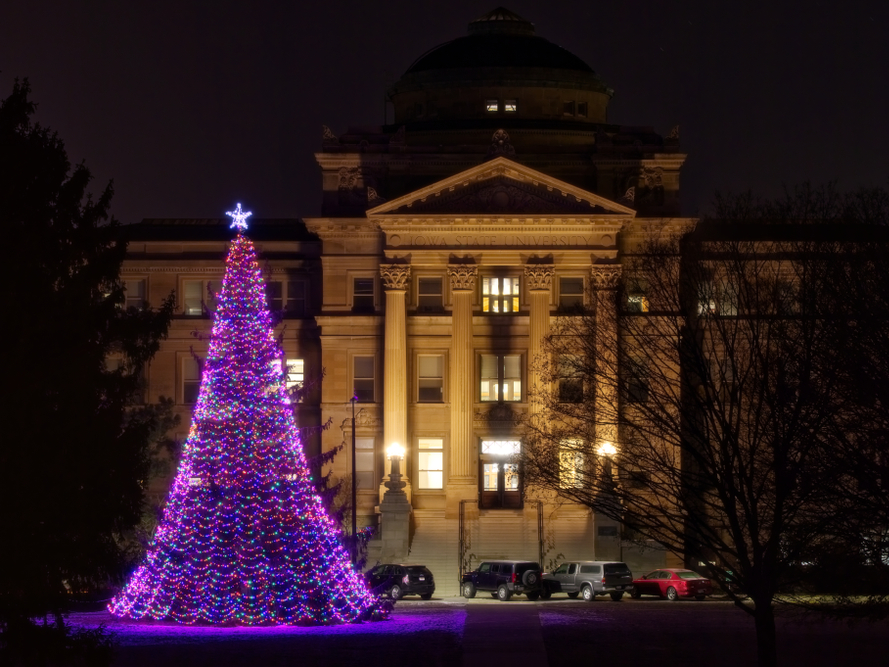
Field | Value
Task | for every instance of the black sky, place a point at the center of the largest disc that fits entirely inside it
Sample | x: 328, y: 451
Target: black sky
x: 191, y: 106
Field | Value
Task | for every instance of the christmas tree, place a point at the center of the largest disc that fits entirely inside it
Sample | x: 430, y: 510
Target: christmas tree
x: 244, y: 538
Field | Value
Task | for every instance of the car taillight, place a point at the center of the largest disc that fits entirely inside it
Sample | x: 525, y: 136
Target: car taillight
x: 512, y: 581
x: 406, y: 579
x: 603, y: 580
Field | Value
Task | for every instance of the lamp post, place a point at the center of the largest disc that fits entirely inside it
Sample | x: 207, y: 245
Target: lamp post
x: 354, y: 549
x: 607, y: 451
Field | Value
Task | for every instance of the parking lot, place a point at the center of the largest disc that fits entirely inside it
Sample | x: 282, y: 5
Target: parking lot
x: 485, y: 631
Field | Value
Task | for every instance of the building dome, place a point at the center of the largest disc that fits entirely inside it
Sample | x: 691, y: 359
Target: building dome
x: 500, y: 63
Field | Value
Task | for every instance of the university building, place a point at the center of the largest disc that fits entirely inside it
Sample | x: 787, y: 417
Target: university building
x: 499, y: 197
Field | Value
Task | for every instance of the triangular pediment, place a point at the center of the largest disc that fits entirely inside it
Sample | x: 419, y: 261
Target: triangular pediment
x: 501, y: 187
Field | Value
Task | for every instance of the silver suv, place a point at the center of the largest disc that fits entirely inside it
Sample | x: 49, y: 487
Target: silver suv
x: 590, y: 578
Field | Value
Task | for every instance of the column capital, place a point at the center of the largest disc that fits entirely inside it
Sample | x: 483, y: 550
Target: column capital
x: 540, y: 277
x: 462, y: 276
x: 605, y: 276
x: 395, y: 276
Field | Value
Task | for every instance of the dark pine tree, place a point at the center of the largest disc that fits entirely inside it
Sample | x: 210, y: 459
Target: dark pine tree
x: 77, y: 436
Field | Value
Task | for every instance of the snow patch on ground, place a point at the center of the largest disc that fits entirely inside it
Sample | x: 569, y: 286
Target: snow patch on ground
x: 142, y: 633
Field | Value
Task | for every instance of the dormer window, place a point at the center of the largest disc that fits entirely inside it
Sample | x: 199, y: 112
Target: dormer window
x: 510, y: 106
x: 492, y: 106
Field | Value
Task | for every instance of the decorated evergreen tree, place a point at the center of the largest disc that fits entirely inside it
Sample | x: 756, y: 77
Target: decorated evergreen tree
x: 245, y: 538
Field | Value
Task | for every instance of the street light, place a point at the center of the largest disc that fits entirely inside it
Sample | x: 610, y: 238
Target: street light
x: 354, y: 549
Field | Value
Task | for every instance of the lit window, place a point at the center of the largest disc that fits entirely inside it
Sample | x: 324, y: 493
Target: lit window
x: 364, y: 464
x: 191, y: 380
x: 500, y: 295
x: 492, y: 106
x: 582, y: 109
x: 570, y: 379
x: 363, y: 368
x: 572, y: 464
x: 135, y: 293
x: 568, y: 108
x: 288, y: 296
x: 570, y: 293
x: 363, y: 295
x: 295, y: 375
x: 431, y: 378
x: 199, y: 297
x: 501, y: 378
x: 510, y: 106
x: 501, y: 447
x: 429, y: 294
x: 637, y: 303
x: 706, y: 298
x: 431, y: 463
x: 489, y: 474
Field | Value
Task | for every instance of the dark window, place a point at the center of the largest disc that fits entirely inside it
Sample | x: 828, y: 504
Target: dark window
x: 364, y: 379
x: 135, y: 294
x: 570, y: 379
x: 636, y: 382
x: 431, y: 378
x: 607, y: 531
x: 429, y: 295
x: 363, y: 295
x: 570, y: 293
x: 582, y: 109
x: 191, y: 380
x: 568, y: 108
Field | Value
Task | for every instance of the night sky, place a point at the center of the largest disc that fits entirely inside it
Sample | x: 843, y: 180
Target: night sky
x: 191, y: 106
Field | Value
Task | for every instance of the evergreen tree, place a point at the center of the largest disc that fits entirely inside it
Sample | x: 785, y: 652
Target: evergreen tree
x: 77, y: 438
x: 245, y: 537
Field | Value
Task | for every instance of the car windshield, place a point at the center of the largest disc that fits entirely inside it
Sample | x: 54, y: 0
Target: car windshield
x: 520, y: 568
x: 419, y: 569
x: 689, y: 575
x: 616, y: 568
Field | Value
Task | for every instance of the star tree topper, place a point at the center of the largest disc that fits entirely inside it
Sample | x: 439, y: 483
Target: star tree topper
x: 239, y: 218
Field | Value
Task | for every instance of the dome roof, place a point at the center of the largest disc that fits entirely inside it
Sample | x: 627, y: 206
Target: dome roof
x: 500, y: 38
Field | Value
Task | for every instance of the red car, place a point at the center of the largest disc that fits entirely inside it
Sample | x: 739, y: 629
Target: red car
x: 672, y: 583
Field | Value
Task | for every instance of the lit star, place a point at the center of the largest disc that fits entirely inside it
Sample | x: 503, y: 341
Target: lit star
x: 239, y: 218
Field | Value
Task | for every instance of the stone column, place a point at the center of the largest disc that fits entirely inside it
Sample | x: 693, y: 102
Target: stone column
x: 395, y: 278
x: 605, y: 281
x: 462, y: 477
x: 539, y: 278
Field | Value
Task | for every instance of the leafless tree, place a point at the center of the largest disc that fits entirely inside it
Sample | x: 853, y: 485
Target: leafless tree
x: 706, y: 403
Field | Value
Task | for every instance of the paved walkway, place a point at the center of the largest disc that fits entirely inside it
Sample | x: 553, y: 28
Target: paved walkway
x: 503, y: 634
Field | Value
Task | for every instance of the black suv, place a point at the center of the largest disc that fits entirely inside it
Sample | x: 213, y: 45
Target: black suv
x: 505, y: 578
x: 398, y: 580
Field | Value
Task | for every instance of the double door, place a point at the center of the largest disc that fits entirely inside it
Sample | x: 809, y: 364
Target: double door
x: 500, y: 479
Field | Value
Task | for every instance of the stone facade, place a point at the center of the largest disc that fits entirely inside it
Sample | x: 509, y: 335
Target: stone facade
x: 447, y: 242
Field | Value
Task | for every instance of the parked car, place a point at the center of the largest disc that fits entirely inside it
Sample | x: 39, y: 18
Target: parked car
x: 590, y: 578
x: 400, y: 579
x: 673, y: 583
x: 505, y: 578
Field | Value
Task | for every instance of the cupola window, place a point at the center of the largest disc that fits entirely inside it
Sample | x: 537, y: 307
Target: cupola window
x: 492, y: 106
x: 510, y: 106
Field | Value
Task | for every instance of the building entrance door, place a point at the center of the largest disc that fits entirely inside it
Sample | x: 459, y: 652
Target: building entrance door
x: 500, y: 480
